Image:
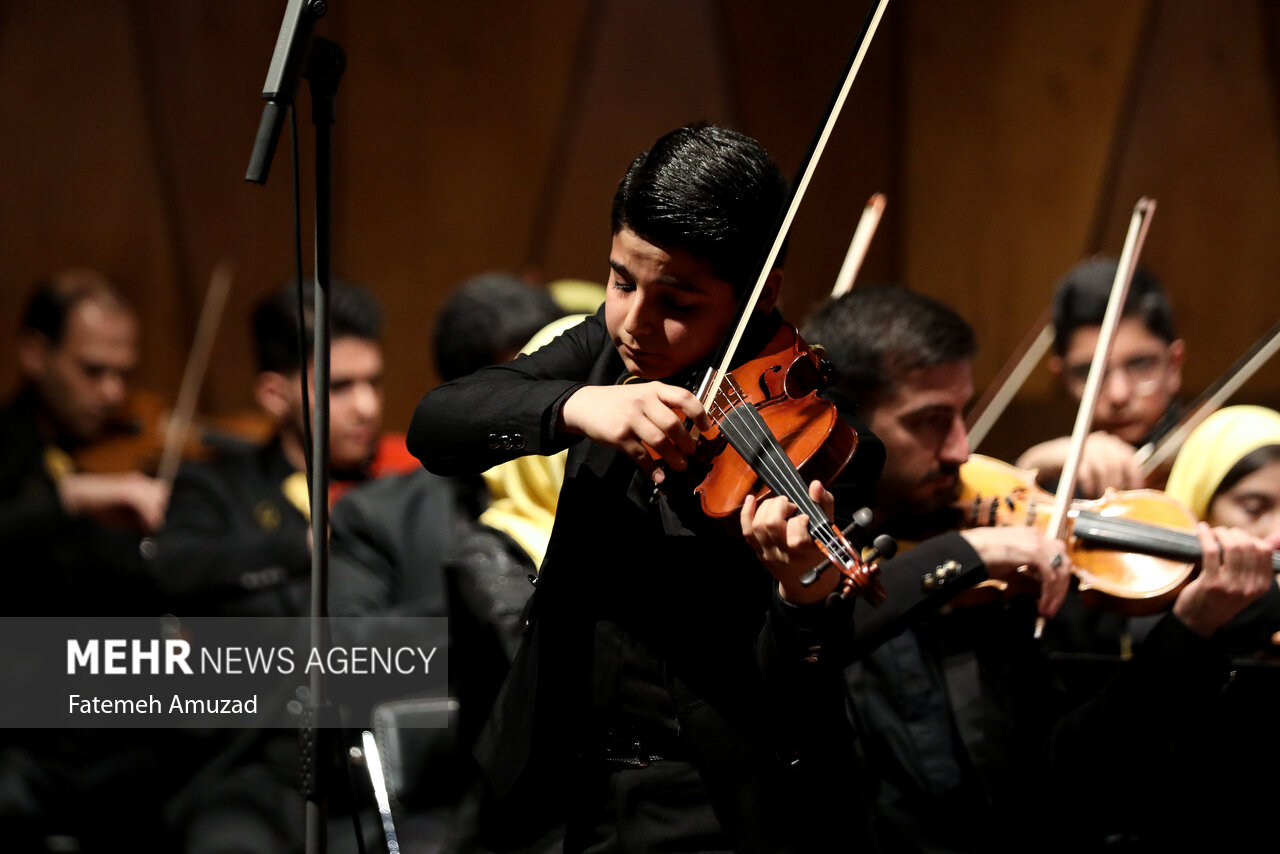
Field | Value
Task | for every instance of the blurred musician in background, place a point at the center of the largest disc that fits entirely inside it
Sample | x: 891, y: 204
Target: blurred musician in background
x: 1139, y: 397
x: 237, y: 542
x: 72, y: 542
x: 66, y: 530
x: 463, y: 547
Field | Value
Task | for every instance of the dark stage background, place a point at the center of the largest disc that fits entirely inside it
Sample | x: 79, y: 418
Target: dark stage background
x: 1011, y: 138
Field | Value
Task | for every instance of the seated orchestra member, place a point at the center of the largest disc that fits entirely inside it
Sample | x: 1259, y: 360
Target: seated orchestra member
x: 1227, y: 471
x: 1138, y: 401
x: 236, y: 542
x: 65, y: 530
x: 670, y: 693
x: 410, y: 546
x: 1191, y: 718
x: 959, y: 714
x: 73, y: 547
x: 235, y: 539
x: 934, y: 689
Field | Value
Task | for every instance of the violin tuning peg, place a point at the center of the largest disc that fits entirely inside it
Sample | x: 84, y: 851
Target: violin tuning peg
x: 885, y: 546
x: 812, y: 575
x: 862, y: 519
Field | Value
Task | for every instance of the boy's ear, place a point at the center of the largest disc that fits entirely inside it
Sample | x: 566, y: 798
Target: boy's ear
x: 769, y: 295
x: 1055, y: 365
x: 271, y: 392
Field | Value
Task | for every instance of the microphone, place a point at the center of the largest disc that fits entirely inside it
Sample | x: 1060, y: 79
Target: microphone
x: 281, y: 87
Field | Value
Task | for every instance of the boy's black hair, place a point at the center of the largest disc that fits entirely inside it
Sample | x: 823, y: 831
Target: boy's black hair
x: 353, y: 312
x: 873, y: 335
x: 1082, y: 295
x: 710, y: 191
x: 487, y: 319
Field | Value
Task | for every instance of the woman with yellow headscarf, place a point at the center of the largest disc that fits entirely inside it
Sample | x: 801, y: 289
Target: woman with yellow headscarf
x: 1191, y: 717
x: 1228, y: 471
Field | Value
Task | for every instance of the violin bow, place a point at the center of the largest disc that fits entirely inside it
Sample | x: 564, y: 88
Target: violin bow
x: 184, y: 408
x: 858, y: 246
x: 1151, y: 455
x: 987, y: 411
x: 798, y: 189
x: 1138, y: 224
x: 824, y: 532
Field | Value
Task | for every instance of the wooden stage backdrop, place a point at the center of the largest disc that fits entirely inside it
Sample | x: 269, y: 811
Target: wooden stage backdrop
x: 1011, y: 138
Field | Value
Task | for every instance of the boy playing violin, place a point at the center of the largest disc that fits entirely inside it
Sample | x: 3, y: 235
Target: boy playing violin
x: 670, y: 692
x: 1139, y: 398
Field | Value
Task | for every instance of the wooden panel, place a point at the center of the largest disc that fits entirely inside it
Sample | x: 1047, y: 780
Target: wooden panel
x: 492, y: 136
x: 786, y: 65
x: 1011, y: 113
x: 649, y: 68
x: 79, y: 187
x: 1204, y: 145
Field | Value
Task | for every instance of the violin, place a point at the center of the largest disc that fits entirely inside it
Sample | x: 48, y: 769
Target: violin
x: 135, y: 439
x: 771, y: 400
x: 772, y: 434
x: 1133, y: 551
x: 151, y: 435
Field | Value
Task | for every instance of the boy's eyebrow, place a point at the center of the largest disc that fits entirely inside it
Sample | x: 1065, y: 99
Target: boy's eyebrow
x: 670, y: 281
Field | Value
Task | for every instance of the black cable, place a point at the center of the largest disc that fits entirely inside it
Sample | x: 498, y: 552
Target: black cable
x: 303, y: 355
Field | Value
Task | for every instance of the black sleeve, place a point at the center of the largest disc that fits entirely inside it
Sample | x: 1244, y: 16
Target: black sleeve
x: 918, y: 581
x: 31, y: 518
x: 363, y: 564
x: 1122, y: 740
x: 489, y: 579
x: 508, y: 410
x: 388, y: 544
x: 205, y: 549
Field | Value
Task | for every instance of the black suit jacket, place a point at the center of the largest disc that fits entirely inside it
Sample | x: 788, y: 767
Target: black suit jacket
x: 764, y: 723
x: 57, y: 564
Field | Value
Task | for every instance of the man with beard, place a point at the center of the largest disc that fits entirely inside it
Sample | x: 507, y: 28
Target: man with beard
x: 973, y: 742
x: 940, y: 703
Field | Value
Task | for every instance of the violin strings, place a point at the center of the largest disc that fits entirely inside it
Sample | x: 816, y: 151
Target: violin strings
x: 1117, y: 531
x: 773, y: 462
x: 787, y: 478
x: 1182, y: 543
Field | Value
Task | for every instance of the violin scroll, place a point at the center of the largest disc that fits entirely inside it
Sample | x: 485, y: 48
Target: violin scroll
x: 862, y: 578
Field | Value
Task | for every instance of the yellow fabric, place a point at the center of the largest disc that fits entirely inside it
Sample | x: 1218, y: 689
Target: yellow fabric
x: 1213, y: 448
x: 524, y: 492
x: 295, y: 489
x: 577, y: 295
x: 58, y: 463
x: 523, y: 495
x: 544, y: 335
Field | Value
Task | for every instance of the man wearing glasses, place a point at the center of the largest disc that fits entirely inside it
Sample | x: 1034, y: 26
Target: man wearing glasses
x: 1138, y: 401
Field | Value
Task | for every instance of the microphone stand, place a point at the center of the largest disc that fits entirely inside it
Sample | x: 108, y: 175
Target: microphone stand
x: 299, y: 52
x: 324, y: 69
